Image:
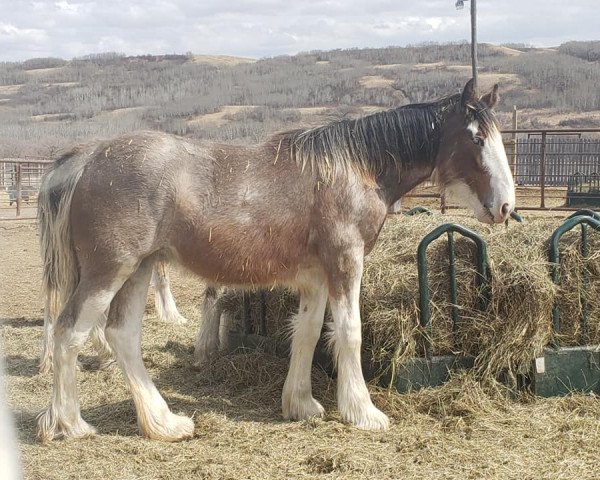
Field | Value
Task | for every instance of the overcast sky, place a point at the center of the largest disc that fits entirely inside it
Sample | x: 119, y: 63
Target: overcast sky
x: 259, y: 28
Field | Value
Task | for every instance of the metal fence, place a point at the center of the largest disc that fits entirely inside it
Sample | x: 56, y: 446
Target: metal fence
x: 545, y: 163
x: 548, y: 160
x: 564, y: 158
x: 20, y: 180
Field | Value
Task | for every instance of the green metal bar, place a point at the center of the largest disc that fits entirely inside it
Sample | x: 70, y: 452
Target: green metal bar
x: 481, y: 280
x: 585, y: 211
x: 585, y: 277
x: 263, y: 313
x: 453, y: 287
x: 554, y: 254
x: 417, y: 210
x: 247, y: 313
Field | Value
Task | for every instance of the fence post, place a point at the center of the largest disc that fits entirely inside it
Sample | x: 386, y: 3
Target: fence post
x: 543, y: 171
x: 18, y: 181
x: 513, y: 165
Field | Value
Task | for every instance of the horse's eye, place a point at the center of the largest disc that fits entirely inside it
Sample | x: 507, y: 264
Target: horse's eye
x: 478, y: 141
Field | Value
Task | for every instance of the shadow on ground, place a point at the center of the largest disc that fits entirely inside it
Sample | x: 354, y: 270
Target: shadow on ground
x: 22, y: 322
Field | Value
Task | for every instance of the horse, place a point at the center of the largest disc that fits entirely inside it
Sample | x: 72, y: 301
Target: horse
x: 300, y: 210
x: 164, y: 303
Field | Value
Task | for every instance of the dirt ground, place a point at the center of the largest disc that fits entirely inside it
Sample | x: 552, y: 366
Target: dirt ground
x: 456, y: 432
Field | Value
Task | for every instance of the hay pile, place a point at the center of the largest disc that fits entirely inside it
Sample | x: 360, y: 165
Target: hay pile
x: 505, y: 337
x: 514, y: 327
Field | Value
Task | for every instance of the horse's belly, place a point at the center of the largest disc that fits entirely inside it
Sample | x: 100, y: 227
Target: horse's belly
x: 251, y: 256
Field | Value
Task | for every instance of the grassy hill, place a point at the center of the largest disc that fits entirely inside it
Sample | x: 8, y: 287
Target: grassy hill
x: 48, y: 104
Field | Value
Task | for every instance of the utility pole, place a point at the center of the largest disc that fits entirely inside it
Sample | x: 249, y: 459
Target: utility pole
x: 459, y: 5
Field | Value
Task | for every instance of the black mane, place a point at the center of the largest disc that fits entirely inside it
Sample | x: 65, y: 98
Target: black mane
x: 405, y: 135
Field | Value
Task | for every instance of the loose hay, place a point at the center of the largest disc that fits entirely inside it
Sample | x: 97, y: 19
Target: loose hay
x: 505, y: 337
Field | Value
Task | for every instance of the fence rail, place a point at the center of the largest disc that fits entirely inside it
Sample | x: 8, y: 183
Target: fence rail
x: 551, y: 161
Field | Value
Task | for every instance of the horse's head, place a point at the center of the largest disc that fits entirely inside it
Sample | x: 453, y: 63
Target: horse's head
x: 472, y: 164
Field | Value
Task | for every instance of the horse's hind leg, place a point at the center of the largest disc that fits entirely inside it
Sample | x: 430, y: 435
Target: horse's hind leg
x: 123, y: 332
x: 98, y: 337
x: 297, y: 400
x: 82, y: 312
x: 207, y: 340
x: 105, y: 355
x: 166, y: 309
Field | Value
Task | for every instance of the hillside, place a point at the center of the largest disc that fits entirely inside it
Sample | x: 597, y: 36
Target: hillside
x: 48, y: 104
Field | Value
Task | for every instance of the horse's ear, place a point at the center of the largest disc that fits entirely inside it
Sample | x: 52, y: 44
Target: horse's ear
x: 469, y: 96
x: 490, y: 99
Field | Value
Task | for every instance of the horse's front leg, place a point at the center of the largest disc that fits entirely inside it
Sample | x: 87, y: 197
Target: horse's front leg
x: 353, y: 398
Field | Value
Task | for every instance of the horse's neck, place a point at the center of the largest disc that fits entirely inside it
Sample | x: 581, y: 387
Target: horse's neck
x: 395, y: 183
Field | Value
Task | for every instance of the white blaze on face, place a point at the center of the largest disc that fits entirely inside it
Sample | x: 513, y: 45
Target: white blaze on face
x: 500, y: 199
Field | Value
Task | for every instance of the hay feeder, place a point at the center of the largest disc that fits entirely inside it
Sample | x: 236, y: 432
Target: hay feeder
x: 433, y: 370
x: 561, y: 369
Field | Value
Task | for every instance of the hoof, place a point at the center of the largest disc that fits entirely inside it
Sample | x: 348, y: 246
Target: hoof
x: 50, y: 426
x: 171, y: 428
x: 369, y: 418
x: 296, y: 409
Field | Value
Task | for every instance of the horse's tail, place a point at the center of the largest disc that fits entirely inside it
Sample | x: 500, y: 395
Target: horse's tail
x: 60, y: 267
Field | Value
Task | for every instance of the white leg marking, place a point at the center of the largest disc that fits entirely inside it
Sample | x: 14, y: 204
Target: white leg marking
x: 155, y: 420
x: 105, y: 353
x: 207, y: 341
x: 64, y: 416
x: 353, y: 397
x: 47, y: 340
x: 297, y: 401
x: 225, y: 325
x: 166, y: 309
x: 9, y: 452
x: 396, y: 207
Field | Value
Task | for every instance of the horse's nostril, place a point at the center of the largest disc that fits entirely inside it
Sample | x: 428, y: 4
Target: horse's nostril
x: 505, y: 209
